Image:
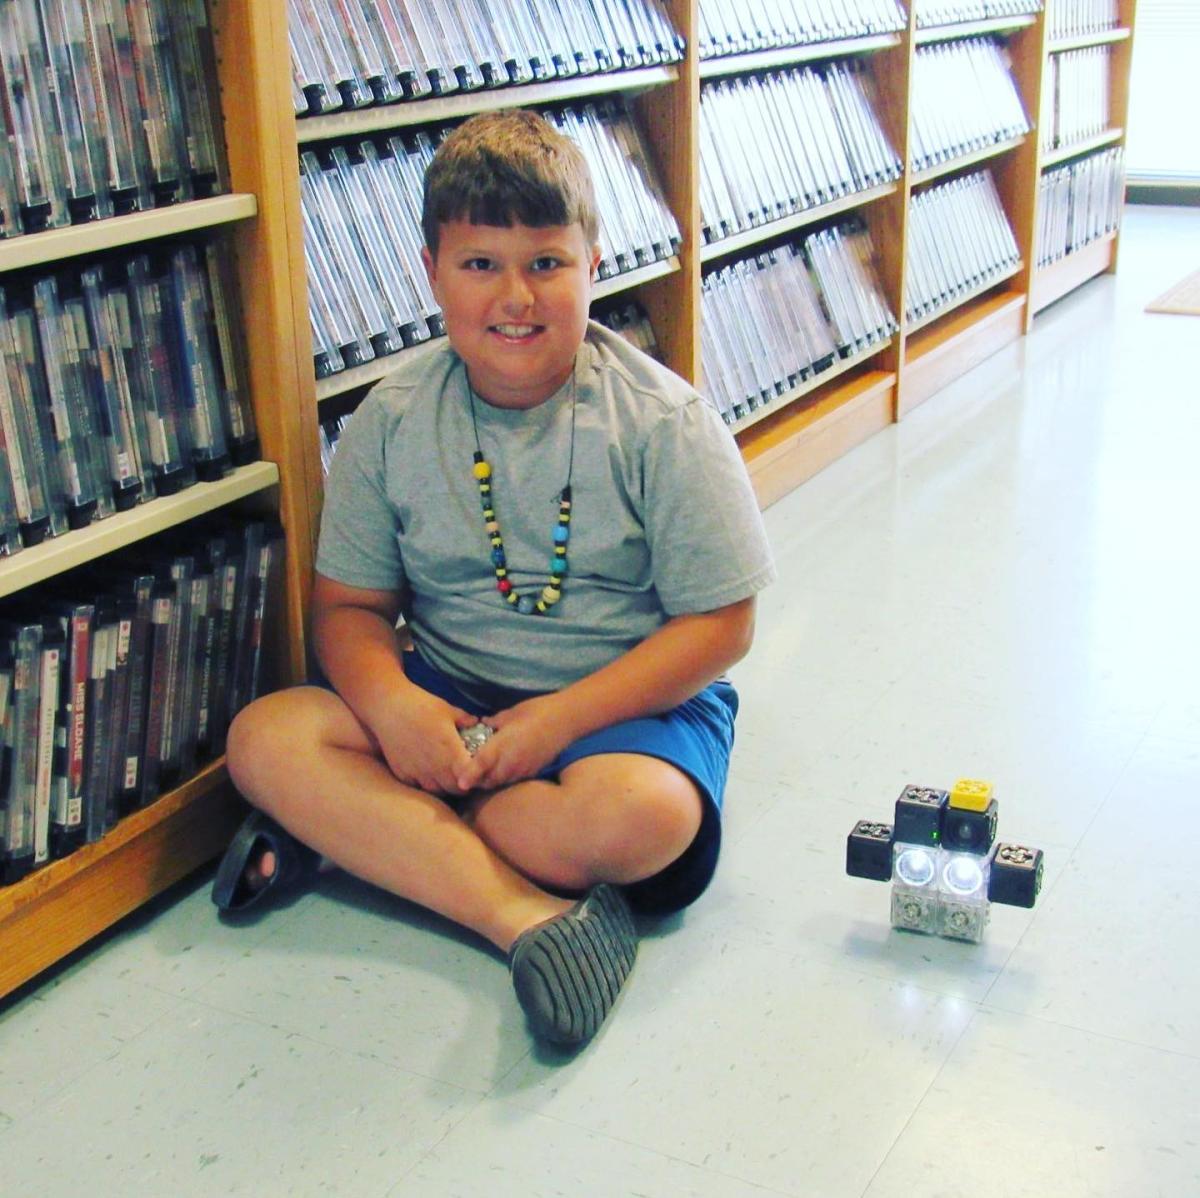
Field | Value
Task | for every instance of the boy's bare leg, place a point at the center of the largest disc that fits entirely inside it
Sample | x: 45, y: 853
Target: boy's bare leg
x: 302, y: 757
x: 615, y: 817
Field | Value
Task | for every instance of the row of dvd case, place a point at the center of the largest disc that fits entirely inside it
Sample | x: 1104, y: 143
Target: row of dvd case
x: 729, y: 27
x: 959, y: 241
x: 106, y: 107
x: 771, y: 321
x: 361, y: 209
x: 964, y: 99
x: 779, y: 143
x: 1077, y: 18
x: 1078, y: 203
x: 355, y: 53
x: 1075, y: 96
x: 955, y: 12
x: 120, y: 380
x: 117, y: 682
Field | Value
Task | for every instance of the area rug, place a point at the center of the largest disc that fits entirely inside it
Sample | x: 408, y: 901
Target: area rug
x: 1182, y: 299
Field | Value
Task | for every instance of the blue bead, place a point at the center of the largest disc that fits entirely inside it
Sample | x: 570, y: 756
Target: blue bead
x: 498, y: 557
x: 561, y: 533
x: 525, y: 604
x: 558, y: 565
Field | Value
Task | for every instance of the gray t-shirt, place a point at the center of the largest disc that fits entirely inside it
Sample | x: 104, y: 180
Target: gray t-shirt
x: 663, y: 520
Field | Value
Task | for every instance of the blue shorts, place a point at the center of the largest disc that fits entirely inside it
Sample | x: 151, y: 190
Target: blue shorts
x: 695, y: 737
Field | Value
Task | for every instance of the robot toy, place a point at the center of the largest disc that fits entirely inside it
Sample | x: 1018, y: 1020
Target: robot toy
x: 943, y: 861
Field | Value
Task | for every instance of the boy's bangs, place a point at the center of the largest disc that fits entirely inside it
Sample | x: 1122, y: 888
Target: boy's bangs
x: 500, y: 195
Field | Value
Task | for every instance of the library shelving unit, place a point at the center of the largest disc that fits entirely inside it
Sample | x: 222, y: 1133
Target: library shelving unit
x: 64, y: 904
x: 1046, y: 284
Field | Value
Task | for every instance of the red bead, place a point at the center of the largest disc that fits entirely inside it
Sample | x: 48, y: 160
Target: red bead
x: 503, y: 586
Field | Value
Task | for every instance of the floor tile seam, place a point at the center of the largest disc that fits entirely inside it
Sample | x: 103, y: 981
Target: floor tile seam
x: 916, y: 1108
x: 340, y: 1049
x: 402, y: 1178
x: 998, y: 1009
x: 58, y: 1091
x: 1118, y: 776
x: 677, y: 1158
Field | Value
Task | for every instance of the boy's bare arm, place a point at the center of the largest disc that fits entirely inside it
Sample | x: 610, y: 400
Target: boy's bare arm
x: 667, y: 668
x: 354, y: 634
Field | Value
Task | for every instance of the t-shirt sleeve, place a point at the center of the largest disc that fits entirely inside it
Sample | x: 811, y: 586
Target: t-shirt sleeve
x: 707, y: 541
x: 358, y: 543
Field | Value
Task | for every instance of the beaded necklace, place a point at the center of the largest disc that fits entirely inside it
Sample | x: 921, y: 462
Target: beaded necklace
x: 552, y: 592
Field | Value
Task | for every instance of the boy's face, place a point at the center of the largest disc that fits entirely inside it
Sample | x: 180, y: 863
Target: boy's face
x: 515, y: 301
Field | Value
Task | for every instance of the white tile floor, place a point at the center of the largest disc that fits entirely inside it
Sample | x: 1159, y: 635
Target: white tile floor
x: 1004, y: 585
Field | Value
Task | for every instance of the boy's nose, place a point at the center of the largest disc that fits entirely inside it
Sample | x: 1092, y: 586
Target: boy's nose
x: 517, y: 295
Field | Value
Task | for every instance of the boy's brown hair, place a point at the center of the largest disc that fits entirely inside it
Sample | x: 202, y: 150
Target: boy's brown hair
x: 508, y: 167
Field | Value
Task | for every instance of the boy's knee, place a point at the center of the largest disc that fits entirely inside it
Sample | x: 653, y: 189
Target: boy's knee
x: 642, y: 818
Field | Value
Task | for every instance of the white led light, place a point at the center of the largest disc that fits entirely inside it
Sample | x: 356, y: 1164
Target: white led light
x: 962, y: 874
x: 914, y: 867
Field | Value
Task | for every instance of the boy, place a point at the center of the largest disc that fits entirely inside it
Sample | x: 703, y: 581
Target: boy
x: 569, y: 533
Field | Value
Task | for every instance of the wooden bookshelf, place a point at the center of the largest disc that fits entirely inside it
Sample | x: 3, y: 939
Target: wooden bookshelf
x: 1048, y: 283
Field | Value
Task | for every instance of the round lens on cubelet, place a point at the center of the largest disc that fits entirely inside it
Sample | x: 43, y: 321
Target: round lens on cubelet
x: 914, y: 867
x: 962, y: 875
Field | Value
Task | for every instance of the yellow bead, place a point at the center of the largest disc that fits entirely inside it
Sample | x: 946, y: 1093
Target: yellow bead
x: 551, y: 595
x: 483, y: 470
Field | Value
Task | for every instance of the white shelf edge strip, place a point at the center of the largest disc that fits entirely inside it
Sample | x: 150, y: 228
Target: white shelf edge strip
x: 362, y: 121
x: 57, y: 554
x: 33, y: 249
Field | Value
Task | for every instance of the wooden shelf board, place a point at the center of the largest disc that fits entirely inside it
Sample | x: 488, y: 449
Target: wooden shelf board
x: 371, y: 372
x: 1060, y: 278
x: 786, y: 56
x: 957, y: 164
x: 64, y: 904
x: 362, y: 121
x: 615, y: 284
x: 36, y: 249
x: 959, y: 340
x: 57, y: 554
x: 840, y: 367
x: 942, y: 33
x: 1103, y: 37
x: 967, y: 297
x: 798, y: 220
x: 806, y: 437
x: 1098, y: 141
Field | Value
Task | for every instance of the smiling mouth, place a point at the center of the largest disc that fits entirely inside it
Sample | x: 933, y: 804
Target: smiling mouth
x: 515, y: 332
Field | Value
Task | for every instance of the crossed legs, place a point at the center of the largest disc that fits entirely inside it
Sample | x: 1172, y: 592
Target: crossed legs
x: 302, y: 757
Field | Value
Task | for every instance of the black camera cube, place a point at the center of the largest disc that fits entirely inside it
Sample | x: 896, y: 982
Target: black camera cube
x: 965, y: 831
x: 1016, y: 875
x: 869, y: 851
x: 919, y: 815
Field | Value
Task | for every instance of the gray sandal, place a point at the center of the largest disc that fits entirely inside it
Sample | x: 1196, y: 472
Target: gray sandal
x: 568, y: 971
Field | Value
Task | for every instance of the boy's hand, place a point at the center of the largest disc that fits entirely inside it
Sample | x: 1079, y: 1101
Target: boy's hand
x: 527, y: 737
x: 421, y: 744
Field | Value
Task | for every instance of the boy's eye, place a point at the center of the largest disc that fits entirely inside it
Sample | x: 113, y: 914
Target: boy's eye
x: 546, y: 262
x: 478, y: 264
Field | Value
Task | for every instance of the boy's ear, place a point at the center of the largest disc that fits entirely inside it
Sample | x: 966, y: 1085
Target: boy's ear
x: 430, y: 266
x: 595, y: 262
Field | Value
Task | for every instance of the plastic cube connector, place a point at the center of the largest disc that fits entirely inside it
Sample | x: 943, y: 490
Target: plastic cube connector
x: 965, y: 830
x: 1016, y: 875
x: 941, y: 857
x: 919, y: 815
x: 915, y: 910
x: 869, y: 851
x: 971, y: 794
